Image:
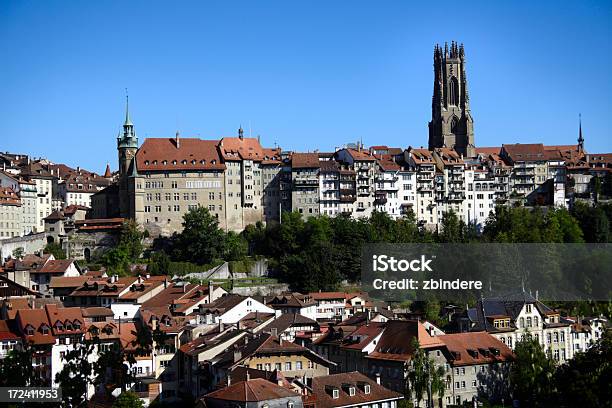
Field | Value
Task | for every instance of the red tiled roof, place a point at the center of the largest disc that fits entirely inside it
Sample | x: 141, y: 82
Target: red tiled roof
x: 304, y: 160
x: 322, y: 386
x: 55, y: 266
x: 236, y: 148
x: 253, y: 390
x: 7, y: 332
x: 475, y: 348
x: 157, y: 154
x: 9, y: 197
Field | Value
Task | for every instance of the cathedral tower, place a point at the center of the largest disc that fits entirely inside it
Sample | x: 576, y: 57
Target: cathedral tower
x: 451, y: 123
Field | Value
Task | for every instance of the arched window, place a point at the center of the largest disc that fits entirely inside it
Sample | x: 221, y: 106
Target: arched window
x: 453, y: 92
x: 454, y: 124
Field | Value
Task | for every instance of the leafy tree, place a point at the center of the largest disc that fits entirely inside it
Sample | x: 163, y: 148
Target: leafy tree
x: 77, y: 373
x: 585, y: 379
x: 236, y: 247
x: 159, y: 264
x: 201, y: 240
x: 128, y: 399
x: 55, y: 249
x: 131, y: 239
x: 532, y: 374
x: 594, y: 221
x: 17, y: 369
x: 18, y: 253
x: 423, y: 376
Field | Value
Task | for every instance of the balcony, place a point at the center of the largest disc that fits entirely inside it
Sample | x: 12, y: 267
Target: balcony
x: 306, y: 181
x: 347, y: 198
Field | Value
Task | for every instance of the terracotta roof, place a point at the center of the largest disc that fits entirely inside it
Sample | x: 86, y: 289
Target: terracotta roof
x: 55, y: 266
x: 475, y: 348
x: 56, y: 215
x: 64, y: 320
x: 322, y: 388
x: 305, y: 160
x: 396, y: 340
x: 67, y: 281
x: 7, y: 331
x: 36, y: 319
x: 96, y: 311
x: 8, y: 196
x: 386, y: 163
x: 360, y: 154
x: 236, y: 148
x: 174, y: 292
x: 287, y: 320
x: 422, y: 156
x: 449, y: 156
x: 253, y: 390
x: 157, y: 154
x: 524, y: 152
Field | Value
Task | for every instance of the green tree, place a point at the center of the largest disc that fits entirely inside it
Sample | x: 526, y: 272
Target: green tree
x: 128, y: 399
x: 532, y: 374
x: 159, y: 264
x: 55, y: 249
x: 18, y: 253
x: 201, y: 240
x: 236, y: 247
x: 17, y: 369
x: 423, y: 376
x: 585, y: 379
x: 77, y: 373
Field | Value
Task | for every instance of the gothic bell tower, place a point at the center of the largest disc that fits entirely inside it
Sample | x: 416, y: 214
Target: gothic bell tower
x: 451, y: 123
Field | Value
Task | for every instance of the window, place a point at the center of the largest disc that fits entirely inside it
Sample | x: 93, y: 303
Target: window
x: 352, y: 391
x: 288, y: 366
x: 453, y: 94
x: 335, y: 394
x: 298, y: 365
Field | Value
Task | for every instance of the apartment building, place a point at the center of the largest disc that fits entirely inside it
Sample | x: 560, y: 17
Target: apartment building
x: 423, y: 162
x: 363, y: 163
x: 329, y: 188
x: 511, y: 318
x: 305, y: 184
x: 10, y: 213
x: 174, y: 175
x: 450, y: 183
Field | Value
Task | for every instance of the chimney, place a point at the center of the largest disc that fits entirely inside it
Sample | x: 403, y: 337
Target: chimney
x: 378, y: 378
x: 229, y: 380
x: 237, y: 355
x: 177, y: 140
x: 274, y: 331
x: 220, y: 325
x: 211, y: 289
x: 248, y: 375
x: 148, y: 276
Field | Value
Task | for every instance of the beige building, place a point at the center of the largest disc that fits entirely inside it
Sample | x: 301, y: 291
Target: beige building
x: 10, y: 213
x: 172, y: 176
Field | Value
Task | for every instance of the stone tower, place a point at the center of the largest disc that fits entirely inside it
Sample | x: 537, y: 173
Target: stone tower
x: 127, y: 146
x: 127, y: 143
x: 451, y: 123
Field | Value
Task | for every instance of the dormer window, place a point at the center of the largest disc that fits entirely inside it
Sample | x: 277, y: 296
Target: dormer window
x: 44, y: 329
x: 154, y: 161
x: 184, y: 162
x: 29, y: 330
x: 193, y: 162
x: 164, y: 162
x: 174, y: 162
x: 77, y: 325
x: 335, y: 394
x: 367, y: 389
x: 146, y: 162
x: 351, y: 391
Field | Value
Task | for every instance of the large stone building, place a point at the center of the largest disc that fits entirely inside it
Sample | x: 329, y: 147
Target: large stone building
x: 451, y: 123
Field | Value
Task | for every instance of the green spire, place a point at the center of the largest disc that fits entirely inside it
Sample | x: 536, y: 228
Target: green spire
x: 128, y: 122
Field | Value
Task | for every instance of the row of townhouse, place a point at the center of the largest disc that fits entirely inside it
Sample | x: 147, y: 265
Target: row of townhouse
x: 37, y: 187
x: 241, y: 182
x: 52, y: 331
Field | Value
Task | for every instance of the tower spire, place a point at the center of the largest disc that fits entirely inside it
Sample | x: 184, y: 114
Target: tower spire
x: 128, y: 122
x: 580, y: 138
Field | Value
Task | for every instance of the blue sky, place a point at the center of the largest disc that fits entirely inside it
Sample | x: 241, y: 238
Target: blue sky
x: 303, y: 74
